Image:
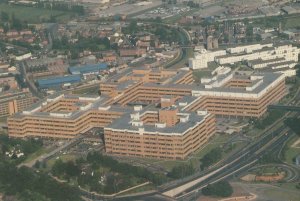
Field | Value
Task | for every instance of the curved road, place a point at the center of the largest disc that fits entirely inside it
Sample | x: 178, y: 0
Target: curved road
x: 292, y: 172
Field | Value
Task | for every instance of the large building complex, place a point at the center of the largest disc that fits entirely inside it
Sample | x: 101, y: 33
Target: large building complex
x: 239, y: 95
x: 266, y: 57
x: 62, y: 116
x: 152, y: 112
x: 225, y: 93
x: 168, y: 132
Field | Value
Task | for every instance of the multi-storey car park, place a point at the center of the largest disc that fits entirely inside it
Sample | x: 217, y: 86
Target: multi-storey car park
x: 177, y: 117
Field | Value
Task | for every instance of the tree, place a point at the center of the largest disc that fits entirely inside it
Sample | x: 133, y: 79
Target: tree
x: 246, y: 21
x: 67, y: 169
x: 71, y: 169
x: 37, y: 164
x: 219, y: 189
x: 211, y: 157
x: 258, y: 38
x: 181, y: 171
x: 27, y: 184
x: 52, y: 19
x: 44, y: 164
x: 158, y: 19
x: 111, y: 184
x: 125, y: 168
x: 192, y: 4
x: 16, y: 23
x: 270, y: 118
x: 293, y: 123
x: 132, y: 28
x: 28, y: 195
x: 226, y: 38
x: 58, y: 168
x: 195, y: 41
x: 4, y: 16
x: 249, y: 33
x: 74, y: 54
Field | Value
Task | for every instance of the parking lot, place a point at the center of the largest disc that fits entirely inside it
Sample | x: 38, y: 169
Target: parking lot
x: 163, y: 12
x: 127, y: 8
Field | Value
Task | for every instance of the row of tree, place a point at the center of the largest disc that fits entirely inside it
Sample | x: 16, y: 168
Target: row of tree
x: 293, y: 123
x: 25, y: 146
x: 62, y: 6
x: 25, y: 184
x: 125, y: 168
x: 103, y: 174
x: 268, y: 119
x: 93, y: 44
x: 182, y: 171
x: 167, y: 35
x: 211, y: 157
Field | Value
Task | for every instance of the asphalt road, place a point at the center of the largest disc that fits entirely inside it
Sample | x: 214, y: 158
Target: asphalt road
x: 250, y: 158
x: 238, y: 163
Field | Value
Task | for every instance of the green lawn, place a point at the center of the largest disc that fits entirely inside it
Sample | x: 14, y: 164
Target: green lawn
x: 168, y: 165
x: 36, y: 154
x: 3, y: 119
x: 254, y: 132
x: 287, y: 186
x: 66, y: 157
x: 219, y: 141
x: 93, y: 90
x: 207, y: 148
x: 291, y: 152
x: 35, y: 15
x: 198, y: 74
x: 292, y: 22
x: 281, y: 194
x: 268, y: 171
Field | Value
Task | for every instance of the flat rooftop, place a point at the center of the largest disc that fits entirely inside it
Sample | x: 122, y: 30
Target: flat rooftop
x: 124, y: 123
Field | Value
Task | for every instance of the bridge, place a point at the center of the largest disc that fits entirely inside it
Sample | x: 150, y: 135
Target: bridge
x: 284, y: 107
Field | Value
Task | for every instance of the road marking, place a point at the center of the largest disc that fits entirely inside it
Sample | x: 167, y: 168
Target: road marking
x: 175, y: 191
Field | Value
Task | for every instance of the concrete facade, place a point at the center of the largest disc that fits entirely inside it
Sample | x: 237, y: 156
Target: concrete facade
x: 13, y: 102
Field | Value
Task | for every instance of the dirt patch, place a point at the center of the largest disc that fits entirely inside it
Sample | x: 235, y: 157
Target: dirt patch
x: 269, y: 178
x: 296, y: 144
x: 248, y: 177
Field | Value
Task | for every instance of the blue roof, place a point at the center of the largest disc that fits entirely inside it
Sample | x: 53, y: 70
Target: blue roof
x: 88, y: 68
x: 56, y: 81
